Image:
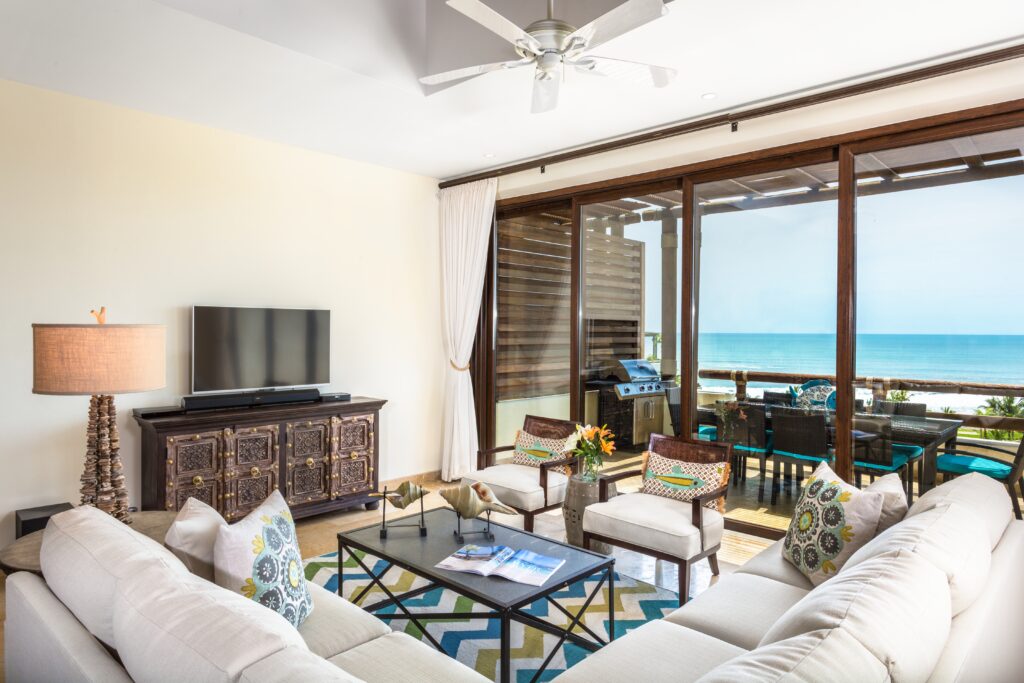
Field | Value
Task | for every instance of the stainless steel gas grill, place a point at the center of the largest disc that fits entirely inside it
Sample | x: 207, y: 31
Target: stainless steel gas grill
x: 632, y: 403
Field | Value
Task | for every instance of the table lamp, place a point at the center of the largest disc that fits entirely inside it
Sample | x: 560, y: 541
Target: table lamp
x: 100, y: 360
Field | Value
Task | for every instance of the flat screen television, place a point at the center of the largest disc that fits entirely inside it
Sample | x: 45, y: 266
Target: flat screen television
x: 248, y: 349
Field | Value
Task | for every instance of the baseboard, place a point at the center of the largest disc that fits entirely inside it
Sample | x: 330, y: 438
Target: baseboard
x: 419, y: 479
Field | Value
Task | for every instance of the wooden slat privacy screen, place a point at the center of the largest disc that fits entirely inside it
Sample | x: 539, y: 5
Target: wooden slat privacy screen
x: 534, y: 305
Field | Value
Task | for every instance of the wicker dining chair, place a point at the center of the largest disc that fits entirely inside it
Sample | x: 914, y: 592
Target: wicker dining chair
x: 743, y: 425
x: 668, y: 529
x: 880, y: 455
x: 799, y: 439
x: 899, y: 408
x: 954, y: 462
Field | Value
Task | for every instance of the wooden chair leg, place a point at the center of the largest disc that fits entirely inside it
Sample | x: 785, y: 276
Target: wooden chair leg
x: 857, y: 479
x: 764, y: 471
x: 713, y: 561
x: 1013, y: 497
x: 684, y: 582
x: 776, y: 473
x: 528, y: 522
x: 586, y: 541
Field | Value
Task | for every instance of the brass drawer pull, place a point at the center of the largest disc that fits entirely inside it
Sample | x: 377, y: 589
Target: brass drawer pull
x: 310, y: 463
x: 255, y: 472
x: 354, y: 455
x: 197, y: 480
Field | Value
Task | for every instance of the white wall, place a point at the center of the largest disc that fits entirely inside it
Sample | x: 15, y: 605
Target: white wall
x: 105, y: 206
x: 976, y: 87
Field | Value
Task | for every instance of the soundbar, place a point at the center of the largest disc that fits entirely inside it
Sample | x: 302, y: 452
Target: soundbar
x: 248, y: 399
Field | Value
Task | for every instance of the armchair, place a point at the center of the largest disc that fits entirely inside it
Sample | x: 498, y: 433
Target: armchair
x: 681, y: 532
x: 528, y: 490
x: 954, y: 462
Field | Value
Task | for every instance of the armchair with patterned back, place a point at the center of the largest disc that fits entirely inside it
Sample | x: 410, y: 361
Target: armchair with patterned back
x: 536, y: 478
x: 677, y: 515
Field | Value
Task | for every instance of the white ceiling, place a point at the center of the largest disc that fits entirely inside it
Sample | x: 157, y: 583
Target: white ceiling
x: 339, y: 76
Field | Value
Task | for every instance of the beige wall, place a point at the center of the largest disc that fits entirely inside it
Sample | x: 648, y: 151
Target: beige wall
x: 101, y: 205
x: 977, y: 87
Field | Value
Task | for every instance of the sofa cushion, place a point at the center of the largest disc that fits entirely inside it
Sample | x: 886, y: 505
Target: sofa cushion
x: 295, y: 664
x: 654, y: 522
x: 984, y: 640
x: 827, y: 655
x: 336, y: 625
x: 84, y: 552
x: 949, y: 537
x: 519, y: 485
x: 399, y: 658
x: 984, y: 496
x: 656, y: 651
x: 831, y: 520
x: 896, y: 605
x: 770, y: 564
x: 259, y: 557
x: 739, y: 609
x: 170, y: 627
x: 193, y: 535
x: 894, y: 500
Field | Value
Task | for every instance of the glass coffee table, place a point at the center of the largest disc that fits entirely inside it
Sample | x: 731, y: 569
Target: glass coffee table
x: 507, y: 600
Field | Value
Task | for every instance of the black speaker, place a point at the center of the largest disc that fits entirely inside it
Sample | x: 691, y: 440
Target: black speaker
x: 214, y: 401
x: 334, y: 398
x: 287, y: 396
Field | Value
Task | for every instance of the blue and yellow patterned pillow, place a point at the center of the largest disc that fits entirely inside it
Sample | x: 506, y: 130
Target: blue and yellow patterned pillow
x: 682, y: 480
x: 533, y: 450
x: 259, y: 557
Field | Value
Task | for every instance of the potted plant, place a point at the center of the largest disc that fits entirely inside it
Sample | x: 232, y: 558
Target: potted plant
x: 592, y: 444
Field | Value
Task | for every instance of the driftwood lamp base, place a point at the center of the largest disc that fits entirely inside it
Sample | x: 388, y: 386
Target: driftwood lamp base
x: 103, y: 477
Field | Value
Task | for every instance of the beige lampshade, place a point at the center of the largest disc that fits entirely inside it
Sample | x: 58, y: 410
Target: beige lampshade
x: 98, y: 359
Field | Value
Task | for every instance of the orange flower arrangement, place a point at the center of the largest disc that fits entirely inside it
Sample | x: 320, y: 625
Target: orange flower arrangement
x: 592, y: 444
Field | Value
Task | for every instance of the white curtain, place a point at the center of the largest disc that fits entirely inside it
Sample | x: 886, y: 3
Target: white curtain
x: 467, y: 213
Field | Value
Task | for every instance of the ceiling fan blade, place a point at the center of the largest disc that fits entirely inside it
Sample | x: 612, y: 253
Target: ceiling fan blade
x: 545, y: 93
x: 624, y: 18
x: 638, y: 72
x: 466, y: 72
x: 492, y: 21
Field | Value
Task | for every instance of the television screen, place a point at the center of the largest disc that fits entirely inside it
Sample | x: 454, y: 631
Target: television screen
x: 235, y: 349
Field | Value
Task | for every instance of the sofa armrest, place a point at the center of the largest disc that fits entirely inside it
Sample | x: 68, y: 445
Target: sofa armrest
x: 43, y: 641
x: 605, y: 479
x: 485, y: 458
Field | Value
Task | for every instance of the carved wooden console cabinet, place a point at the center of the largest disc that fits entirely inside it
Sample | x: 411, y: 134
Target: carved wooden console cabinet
x: 322, y: 456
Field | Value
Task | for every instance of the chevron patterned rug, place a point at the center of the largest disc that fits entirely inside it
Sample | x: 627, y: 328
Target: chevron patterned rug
x: 476, y: 643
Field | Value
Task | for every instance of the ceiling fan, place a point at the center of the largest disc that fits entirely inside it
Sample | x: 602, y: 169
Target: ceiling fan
x: 550, y: 45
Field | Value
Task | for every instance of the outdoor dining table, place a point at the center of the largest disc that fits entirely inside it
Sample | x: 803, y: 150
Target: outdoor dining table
x: 931, y: 433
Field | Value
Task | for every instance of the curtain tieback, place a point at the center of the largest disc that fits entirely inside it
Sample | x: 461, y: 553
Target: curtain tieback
x: 457, y: 368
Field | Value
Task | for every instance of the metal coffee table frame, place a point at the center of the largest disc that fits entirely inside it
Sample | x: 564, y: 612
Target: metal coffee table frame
x: 505, y: 612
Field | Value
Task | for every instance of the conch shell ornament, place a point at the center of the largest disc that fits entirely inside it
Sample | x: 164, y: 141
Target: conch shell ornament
x: 405, y: 495
x: 471, y: 501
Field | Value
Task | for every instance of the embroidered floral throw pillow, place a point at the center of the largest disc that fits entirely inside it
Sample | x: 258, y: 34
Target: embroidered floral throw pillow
x: 533, y: 450
x: 831, y: 521
x: 259, y: 558
x: 684, y: 480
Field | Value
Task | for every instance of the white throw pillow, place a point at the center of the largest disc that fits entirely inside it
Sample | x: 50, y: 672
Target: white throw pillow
x: 894, y: 500
x: 831, y: 521
x: 951, y: 538
x: 896, y: 605
x: 259, y: 557
x: 831, y: 655
x: 192, y: 536
x: 985, y: 496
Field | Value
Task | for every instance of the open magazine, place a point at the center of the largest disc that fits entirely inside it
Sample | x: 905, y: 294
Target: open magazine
x: 521, y: 566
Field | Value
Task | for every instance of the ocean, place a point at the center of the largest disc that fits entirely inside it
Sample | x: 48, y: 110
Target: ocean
x: 997, y: 359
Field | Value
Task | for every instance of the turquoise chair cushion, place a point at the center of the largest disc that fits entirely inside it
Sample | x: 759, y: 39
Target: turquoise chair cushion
x: 707, y: 432
x: 798, y: 456
x: 965, y: 464
x: 912, y: 452
x: 898, y: 461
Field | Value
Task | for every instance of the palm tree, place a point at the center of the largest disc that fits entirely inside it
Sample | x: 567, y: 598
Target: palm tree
x: 1002, y: 406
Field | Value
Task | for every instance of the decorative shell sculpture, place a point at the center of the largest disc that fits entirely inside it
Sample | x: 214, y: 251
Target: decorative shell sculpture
x: 471, y: 501
x: 405, y: 495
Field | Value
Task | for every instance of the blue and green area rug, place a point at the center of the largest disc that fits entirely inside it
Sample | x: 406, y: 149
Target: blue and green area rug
x: 475, y: 643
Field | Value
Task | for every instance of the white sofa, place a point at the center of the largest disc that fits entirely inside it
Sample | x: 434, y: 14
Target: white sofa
x: 116, y: 606
x: 938, y: 597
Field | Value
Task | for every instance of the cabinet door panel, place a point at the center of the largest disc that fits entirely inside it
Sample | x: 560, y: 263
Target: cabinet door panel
x: 250, y: 472
x: 194, y: 466
x: 355, y: 455
x: 308, y: 445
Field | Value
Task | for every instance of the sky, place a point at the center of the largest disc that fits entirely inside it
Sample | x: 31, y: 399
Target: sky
x: 941, y: 260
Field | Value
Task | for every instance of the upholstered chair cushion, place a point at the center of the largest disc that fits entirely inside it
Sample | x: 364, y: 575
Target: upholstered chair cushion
x: 949, y: 538
x: 814, y: 397
x: 894, y: 500
x: 830, y: 522
x: 519, y: 485
x: 681, y: 480
x: 259, y: 557
x: 533, y: 450
x: 182, y: 628
x: 193, y: 535
x: 985, y: 497
x: 826, y: 655
x: 83, y: 555
x: 896, y: 605
x: 654, y: 522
